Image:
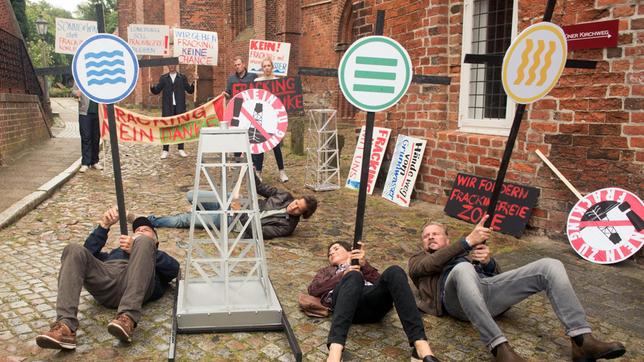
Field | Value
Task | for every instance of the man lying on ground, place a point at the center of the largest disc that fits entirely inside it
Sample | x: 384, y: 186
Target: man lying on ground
x: 450, y: 283
x: 279, y: 212
x: 128, y: 276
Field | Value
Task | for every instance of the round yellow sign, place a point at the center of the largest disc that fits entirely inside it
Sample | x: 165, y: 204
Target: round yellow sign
x: 534, y: 62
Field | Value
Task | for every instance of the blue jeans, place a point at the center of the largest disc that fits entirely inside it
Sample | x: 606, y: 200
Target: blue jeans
x: 182, y: 221
x: 469, y: 297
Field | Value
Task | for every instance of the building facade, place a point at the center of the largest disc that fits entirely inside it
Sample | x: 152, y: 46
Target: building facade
x: 591, y: 125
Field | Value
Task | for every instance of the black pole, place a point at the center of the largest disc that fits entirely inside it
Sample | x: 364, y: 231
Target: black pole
x: 550, y: 9
x: 114, y: 143
x: 366, y: 157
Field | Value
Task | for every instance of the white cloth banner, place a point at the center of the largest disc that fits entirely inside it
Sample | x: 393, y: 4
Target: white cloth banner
x: 405, y: 164
x: 378, y: 148
x: 71, y: 33
x: 149, y: 39
x: 196, y: 46
x: 258, y: 50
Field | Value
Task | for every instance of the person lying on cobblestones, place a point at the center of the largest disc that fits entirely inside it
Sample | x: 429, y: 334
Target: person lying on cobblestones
x: 279, y: 212
x: 359, y: 294
x: 128, y: 276
x: 463, y: 280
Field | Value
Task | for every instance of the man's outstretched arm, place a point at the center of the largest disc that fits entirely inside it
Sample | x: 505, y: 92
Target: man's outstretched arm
x: 98, y: 237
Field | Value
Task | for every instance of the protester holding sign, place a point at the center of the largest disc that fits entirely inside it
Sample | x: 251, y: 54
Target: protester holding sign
x: 241, y: 75
x: 174, y: 85
x: 89, y: 128
x: 358, y: 293
x: 449, y: 282
x: 258, y: 159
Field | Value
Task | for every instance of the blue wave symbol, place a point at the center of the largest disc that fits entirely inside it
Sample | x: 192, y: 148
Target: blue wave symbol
x: 105, y: 72
x: 111, y: 54
x: 105, y: 63
x: 106, y: 80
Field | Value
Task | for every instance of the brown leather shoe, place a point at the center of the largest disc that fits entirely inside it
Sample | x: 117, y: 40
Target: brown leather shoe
x: 592, y: 349
x: 58, y: 337
x: 122, y: 328
x: 505, y: 353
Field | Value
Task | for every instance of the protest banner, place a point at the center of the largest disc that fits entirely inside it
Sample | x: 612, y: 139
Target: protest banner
x: 196, y: 46
x: 138, y: 128
x: 380, y: 139
x: 403, y: 170
x: 287, y: 89
x: 470, y: 198
x: 148, y: 39
x: 260, y: 49
x: 71, y: 33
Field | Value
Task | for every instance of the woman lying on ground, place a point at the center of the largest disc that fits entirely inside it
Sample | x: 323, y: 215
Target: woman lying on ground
x: 359, y: 294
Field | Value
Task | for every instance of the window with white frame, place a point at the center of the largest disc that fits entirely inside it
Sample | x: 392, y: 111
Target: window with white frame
x: 488, y: 28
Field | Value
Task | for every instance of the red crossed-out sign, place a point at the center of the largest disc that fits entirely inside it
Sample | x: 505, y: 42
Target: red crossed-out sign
x: 601, y: 34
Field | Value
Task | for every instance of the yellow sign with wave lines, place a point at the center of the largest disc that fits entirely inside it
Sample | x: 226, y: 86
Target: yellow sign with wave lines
x: 534, y: 62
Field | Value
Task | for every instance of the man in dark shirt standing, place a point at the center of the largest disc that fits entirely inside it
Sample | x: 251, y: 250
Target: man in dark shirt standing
x: 463, y: 280
x: 241, y: 75
x: 174, y: 86
x: 125, y: 278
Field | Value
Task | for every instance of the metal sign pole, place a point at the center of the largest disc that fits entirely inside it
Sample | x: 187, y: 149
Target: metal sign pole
x: 114, y: 143
x: 366, y: 157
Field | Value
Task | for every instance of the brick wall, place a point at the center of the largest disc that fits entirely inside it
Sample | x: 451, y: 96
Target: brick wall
x: 21, y: 124
x: 8, y: 20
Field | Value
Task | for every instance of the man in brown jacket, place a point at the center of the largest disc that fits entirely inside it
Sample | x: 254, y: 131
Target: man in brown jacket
x: 450, y: 282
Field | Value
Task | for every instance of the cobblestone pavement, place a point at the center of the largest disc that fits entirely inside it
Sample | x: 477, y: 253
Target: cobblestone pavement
x: 30, y: 253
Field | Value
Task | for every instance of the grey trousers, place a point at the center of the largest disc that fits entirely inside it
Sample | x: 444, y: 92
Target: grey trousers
x: 122, y: 284
x: 471, y: 298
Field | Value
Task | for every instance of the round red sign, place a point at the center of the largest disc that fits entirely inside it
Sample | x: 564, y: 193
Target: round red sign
x: 606, y: 226
x: 262, y: 113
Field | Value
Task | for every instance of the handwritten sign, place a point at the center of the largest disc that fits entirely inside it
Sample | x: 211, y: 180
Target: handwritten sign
x: 196, y: 46
x: 403, y: 170
x: 71, y: 33
x: 470, y: 197
x: 600, y: 34
x: 379, y: 146
x: 258, y: 50
x: 287, y: 89
x: 149, y: 39
x: 185, y: 127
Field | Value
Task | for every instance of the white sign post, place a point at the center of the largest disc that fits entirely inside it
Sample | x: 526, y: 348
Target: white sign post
x: 196, y: 46
x: 404, y: 168
x: 374, y: 73
x: 71, y: 33
x: 258, y: 50
x: 380, y: 139
x: 149, y: 39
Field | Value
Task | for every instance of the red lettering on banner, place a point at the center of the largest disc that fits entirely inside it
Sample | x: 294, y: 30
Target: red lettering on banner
x: 497, y: 220
x: 120, y: 114
x: 466, y: 181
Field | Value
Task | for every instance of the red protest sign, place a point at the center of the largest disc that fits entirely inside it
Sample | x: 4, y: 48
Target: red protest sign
x: 287, y: 89
x: 601, y: 34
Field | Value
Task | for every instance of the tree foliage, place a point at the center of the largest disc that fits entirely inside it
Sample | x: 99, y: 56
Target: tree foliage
x: 87, y: 11
x: 19, y: 8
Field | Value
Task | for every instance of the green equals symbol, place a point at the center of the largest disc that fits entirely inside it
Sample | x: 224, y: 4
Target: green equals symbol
x: 378, y: 75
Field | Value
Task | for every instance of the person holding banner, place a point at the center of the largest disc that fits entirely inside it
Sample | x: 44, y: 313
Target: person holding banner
x: 128, y: 276
x: 450, y: 282
x: 174, y: 85
x: 258, y: 159
x: 359, y: 294
x: 90, y: 132
x: 241, y: 75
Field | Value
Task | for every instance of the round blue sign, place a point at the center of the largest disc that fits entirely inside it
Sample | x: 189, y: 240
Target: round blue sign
x: 105, y: 68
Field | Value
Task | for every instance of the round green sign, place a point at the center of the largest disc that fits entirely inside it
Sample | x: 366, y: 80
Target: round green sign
x: 374, y: 73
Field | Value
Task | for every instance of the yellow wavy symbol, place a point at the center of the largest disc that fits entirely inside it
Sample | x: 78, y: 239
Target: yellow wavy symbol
x: 534, y: 62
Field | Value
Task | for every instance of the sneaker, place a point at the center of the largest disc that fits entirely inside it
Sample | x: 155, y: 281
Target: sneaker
x: 183, y: 153
x: 83, y: 169
x: 164, y: 155
x: 122, y: 328
x: 58, y: 337
x: 283, y: 176
x: 96, y: 166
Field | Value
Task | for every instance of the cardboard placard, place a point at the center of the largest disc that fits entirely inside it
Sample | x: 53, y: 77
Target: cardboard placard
x: 470, y: 197
x: 379, y: 146
x: 277, y: 51
x: 71, y: 33
x: 196, y: 46
x: 405, y: 164
x: 287, y: 89
x: 149, y: 39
